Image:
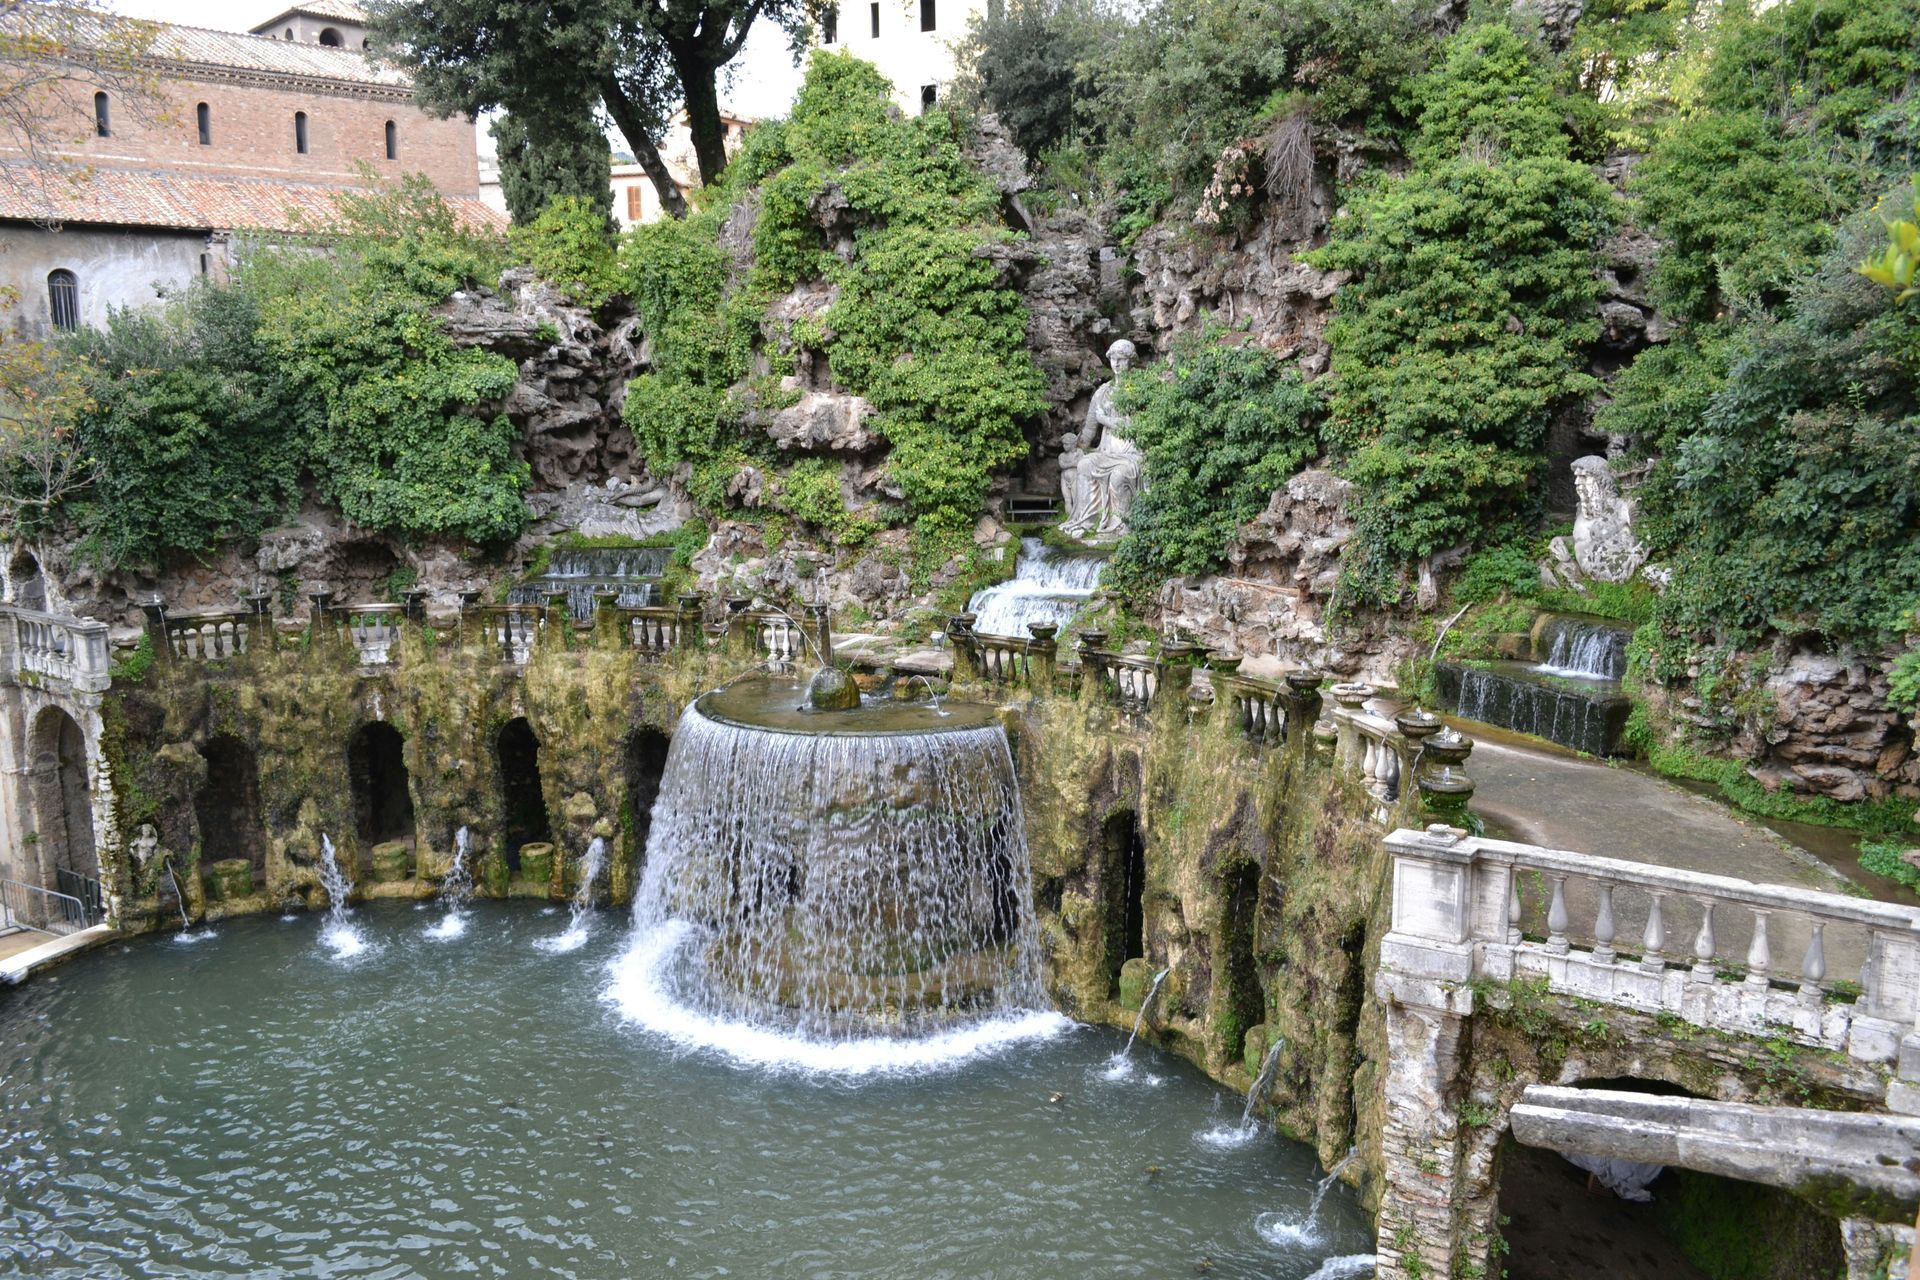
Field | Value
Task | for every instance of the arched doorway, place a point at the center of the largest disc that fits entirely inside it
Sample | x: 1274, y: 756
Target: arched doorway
x: 377, y: 773
x: 646, y: 764
x: 523, y: 805
x: 1123, y: 881
x: 62, y: 802
x: 227, y: 805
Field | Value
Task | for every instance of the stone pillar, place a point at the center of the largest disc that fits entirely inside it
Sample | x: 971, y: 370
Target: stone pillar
x: 156, y: 612
x: 740, y: 638
x: 607, y: 620
x: 1303, y: 704
x: 689, y: 628
x: 820, y: 630
x: 1042, y: 652
x: 1351, y: 697
x: 1093, y: 668
x: 960, y: 640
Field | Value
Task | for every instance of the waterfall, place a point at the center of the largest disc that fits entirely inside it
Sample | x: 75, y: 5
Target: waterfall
x: 455, y: 889
x: 1047, y: 586
x: 580, y: 910
x: 849, y: 901
x: 1305, y: 1230
x: 1346, y: 1266
x: 630, y: 574
x: 1584, y: 650
x: 337, y: 933
x: 1587, y: 715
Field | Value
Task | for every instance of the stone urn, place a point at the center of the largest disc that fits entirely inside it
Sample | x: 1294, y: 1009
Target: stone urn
x: 536, y: 862
x: 1418, y: 725
x: 1091, y: 639
x: 1352, y: 694
x: 1448, y: 748
x: 1043, y: 632
x: 388, y: 862
x: 1224, y: 663
x: 1304, y: 680
x: 1445, y: 797
x: 229, y: 879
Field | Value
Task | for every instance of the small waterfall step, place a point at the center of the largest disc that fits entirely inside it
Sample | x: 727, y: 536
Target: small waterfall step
x: 1048, y: 586
x: 1580, y: 647
x: 1584, y: 714
x: 631, y: 574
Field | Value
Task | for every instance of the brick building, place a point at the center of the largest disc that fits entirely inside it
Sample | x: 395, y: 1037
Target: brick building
x: 257, y: 135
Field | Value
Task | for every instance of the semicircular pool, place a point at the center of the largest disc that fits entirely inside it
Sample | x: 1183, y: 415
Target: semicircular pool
x: 253, y: 1105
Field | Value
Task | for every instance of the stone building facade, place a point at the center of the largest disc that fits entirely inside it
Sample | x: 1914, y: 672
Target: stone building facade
x: 252, y: 135
x: 911, y: 41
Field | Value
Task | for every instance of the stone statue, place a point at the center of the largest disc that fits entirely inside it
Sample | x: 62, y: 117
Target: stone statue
x: 1100, y: 484
x: 1603, y: 543
x: 144, y: 844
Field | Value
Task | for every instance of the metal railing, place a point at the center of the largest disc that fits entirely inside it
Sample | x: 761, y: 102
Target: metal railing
x: 91, y: 894
x: 28, y: 906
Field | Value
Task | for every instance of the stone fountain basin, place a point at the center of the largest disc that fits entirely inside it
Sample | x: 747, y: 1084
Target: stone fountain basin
x: 780, y: 706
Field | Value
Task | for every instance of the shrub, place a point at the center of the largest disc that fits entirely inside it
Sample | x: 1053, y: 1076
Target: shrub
x: 567, y: 245
x: 1222, y: 427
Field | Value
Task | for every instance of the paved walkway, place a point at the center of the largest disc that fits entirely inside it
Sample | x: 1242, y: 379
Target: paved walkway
x: 50, y: 951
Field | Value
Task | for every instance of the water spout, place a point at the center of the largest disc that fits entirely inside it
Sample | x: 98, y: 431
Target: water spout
x: 337, y: 933
x: 455, y: 889
x: 1248, y: 1128
x: 1305, y: 1230
x: 1120, y: 1066
x: 179, y: 898
x: 580, y: 910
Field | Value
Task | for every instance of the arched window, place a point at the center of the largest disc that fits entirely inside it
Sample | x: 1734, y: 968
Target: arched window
x: 289, y: 34
x: 300, y: 132
x: 331, y: 38
x: 102, y: 117
x: 203, y: 116
x: 63, y: 299
x: 393, y: 141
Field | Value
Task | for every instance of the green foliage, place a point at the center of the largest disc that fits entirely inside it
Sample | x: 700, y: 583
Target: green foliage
x: 1492, y: 573
x: 1024, y: 57
x: 188, y: 431
x: 810, y: 492
x: 1461, y: 332
x: 1882, y: 857
x: 545, y: 155
x: 135, y: 666
x: 567, y: 244
x: 922, y: 325
x: 1791, y: 505
x: 1903, y: 681
x: 1221, y: 429
x: 1894, y: 266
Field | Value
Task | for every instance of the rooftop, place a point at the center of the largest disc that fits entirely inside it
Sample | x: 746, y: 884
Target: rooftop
x: 149, y: 198
x: 201, y: 47
x: 338, y: 10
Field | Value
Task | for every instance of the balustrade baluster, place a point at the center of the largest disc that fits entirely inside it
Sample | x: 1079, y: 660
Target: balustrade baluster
x: 1813, y: 968
x: 1513, y: 905
x: 1759, y: 952
x: 1703, y: 944
x: 1557, y: 917
x: 1603, y: 926
x: 1654, y: 940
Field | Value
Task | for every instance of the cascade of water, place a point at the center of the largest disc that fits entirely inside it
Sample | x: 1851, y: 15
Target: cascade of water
x: 456, y: 887
x: 1047, y: 586
x: 1139, y: 1019
x: 179, y: 898
x: 852, y: 900
x: 580, y: 910
x: 1584, y: 650
x: 337, y: 933
x: 1346, y: 1266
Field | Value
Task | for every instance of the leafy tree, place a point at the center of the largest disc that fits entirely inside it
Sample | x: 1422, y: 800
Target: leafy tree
x: 567, y: 244
x: 1022, y: 62
x: 1460, y: 333
x: 1222, y: 427
x: 43, y: 394
x: 543, y: 157
x: 632, y: 58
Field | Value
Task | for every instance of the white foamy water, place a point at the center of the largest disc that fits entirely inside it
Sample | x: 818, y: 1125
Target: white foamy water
x: 1047, y: 587
x: 580, y: 911
x: 338, y: 934
x: 1346, y: 1266
x: 447, y: 927
x: 1225, y: 1137
x: 637, y: 991
x: 191, y: 936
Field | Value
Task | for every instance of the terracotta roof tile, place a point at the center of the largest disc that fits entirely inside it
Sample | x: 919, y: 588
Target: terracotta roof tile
x: 197, y: 46
x: 149, y: 198
x: 338, y: 10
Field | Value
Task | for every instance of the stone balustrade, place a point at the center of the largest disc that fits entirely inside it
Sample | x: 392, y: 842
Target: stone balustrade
x: 1823, y: 969
x: 50, y: 651
x: 1371, y: 746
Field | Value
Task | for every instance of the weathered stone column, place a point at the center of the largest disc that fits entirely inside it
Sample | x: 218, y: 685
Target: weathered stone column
x: 1042, y: 651
x: 820, y: 631
x: 156, y: 611
x: 320, y: 620
x: 688, y: 629
x: 606, y: 620
x: 740, y: 637
x: 960, y: 641
x: 1351, y: 697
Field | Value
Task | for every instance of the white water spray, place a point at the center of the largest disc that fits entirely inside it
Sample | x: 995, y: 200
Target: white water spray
x: 1305, y: 1230
x: 1248, y: 1128
x: 455, y: 889
x: 1346, y: 1266
x: 1120, y: 1066
x: 337, y: 933
x: 580, y: 910
x: 1047, y: 586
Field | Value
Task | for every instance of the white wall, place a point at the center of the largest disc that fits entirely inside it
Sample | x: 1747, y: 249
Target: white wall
x: 904, y: 53
x: 115, y: 268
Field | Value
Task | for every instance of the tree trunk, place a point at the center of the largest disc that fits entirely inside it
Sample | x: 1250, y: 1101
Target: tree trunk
x: 696, y: 71
x: 633, y: 128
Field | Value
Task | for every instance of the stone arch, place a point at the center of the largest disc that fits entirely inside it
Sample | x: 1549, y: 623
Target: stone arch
x: 1123, y: 883
x: 62, y: 801
x: 645, y: 761
x: 382, y: 795
x: 523, y: 802
x: 331, y: 38
x: 226, y: 806
x: 1561, y: 1223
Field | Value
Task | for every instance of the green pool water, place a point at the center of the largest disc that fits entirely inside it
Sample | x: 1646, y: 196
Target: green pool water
x: 252, y: 1105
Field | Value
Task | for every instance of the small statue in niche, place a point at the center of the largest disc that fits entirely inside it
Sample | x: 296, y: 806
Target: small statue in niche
x: 1100, y: 484
x: 143, y: 846
x: 1603, y: 543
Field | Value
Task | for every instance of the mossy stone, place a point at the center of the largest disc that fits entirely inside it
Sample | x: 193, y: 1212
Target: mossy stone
x: 494, y: 875
x: 1260, y: 1038
x: 832, y: 689
x: 536, y: 862
x: 230, y: 878
x: 1136, y: 979
x: 389, y: 862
